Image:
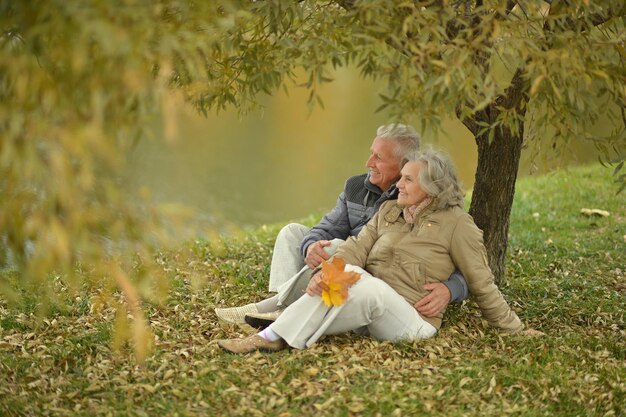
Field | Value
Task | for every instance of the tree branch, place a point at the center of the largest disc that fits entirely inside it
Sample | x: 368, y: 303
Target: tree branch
x: 346, y: 4
x: 578, y: 23
x: 512, y: 98
x: 510, y: 4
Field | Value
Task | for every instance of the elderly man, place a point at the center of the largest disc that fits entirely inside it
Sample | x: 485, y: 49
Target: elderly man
x: 298, y: 250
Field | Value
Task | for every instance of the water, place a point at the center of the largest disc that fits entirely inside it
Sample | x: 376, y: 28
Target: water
x: 280, y: 164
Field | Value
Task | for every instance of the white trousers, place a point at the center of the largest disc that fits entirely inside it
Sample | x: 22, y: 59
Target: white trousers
x: 290, y: 291
x: 286, y: 259
x: 372, y: 307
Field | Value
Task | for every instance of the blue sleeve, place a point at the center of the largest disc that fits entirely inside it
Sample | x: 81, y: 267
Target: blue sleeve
x: 458, y: 287
x: 334, y: 225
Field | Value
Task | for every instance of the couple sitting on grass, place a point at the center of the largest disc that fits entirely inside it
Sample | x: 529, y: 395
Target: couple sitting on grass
x: 406, y: 236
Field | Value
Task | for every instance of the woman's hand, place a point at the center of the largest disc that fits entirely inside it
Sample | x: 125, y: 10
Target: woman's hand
x: 316, y: 285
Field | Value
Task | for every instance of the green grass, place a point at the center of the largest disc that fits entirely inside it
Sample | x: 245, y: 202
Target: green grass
x: 565, y: 277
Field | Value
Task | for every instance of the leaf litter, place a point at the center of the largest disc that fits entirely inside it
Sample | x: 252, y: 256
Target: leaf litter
x: 65, y: 364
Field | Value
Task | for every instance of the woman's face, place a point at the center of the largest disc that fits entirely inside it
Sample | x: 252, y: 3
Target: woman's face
x: 411, y: 192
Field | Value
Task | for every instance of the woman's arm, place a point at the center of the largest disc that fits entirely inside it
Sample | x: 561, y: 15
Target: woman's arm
x: 355, y: 250
x: 470, y: 256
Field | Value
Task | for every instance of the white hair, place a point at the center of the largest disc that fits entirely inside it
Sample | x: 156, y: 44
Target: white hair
x: 406, y: 138
x: 438, y: 178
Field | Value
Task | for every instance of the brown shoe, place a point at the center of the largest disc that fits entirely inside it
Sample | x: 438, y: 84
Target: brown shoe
x: 251, y: 344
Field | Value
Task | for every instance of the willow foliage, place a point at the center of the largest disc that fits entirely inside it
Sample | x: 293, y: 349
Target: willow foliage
x: 437, y: 58
x: 80, y: 83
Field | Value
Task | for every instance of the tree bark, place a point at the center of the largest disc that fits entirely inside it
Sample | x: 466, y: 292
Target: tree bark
x: 494, y: 190
x: 496, y: 173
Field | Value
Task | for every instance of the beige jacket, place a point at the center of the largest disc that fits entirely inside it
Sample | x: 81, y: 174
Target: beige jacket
x: 408, y: 256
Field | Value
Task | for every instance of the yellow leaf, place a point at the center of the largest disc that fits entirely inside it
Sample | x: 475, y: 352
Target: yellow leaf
x: 464, y: 381
x: 337, y: 280
x: 595, y: 212
x: 151, y: 389
x: 535, y: 86
x: 439, y: 63
x: 312, y: 371
x: 326, y: 298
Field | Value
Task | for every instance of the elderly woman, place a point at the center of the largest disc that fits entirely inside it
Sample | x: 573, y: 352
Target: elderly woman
x: 424, y: 234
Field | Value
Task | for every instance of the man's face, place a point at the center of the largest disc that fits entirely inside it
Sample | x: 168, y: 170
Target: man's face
x: 383, y: 164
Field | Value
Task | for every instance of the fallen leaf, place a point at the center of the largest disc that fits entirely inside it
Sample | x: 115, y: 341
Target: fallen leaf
x: 151, y: 389
x: 338, y: 280
x: 596, y: 212
x: 464, y: 381
x: 311, y: 371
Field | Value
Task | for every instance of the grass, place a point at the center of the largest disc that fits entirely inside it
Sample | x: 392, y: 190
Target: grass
x: 565, y: 277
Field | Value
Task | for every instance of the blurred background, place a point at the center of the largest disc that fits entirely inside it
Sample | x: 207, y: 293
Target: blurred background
x: 285, y: 163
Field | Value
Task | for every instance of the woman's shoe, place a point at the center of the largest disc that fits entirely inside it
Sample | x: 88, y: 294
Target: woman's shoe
x: 251, y: 344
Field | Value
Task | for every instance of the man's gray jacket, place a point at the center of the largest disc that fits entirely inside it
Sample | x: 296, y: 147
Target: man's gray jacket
x: 356, y: 205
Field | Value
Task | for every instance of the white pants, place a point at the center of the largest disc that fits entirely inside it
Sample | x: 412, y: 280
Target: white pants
x: 372, y: 307
x: 290, y: 291
x: 286, y: 259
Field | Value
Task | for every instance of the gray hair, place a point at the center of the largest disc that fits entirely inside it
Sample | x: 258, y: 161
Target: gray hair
x: 405, y: 136
x: 439, y: 179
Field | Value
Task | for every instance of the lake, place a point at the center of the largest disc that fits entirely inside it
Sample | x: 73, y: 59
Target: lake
x: 282, y: 163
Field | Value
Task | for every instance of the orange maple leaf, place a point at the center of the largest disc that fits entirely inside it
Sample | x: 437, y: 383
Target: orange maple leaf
x: 337, y: 280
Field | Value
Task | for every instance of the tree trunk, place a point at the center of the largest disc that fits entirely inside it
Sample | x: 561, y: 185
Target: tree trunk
x: 496, y: 173
x: 494, y: 189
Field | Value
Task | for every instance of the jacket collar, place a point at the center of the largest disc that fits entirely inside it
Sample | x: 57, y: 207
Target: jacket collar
x: 392, y: 192
x: 395, y: 212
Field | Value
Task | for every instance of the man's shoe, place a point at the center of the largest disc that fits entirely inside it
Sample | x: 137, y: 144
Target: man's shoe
x: 262, y: 320
x: 251, y: 344
x: 235, y: 315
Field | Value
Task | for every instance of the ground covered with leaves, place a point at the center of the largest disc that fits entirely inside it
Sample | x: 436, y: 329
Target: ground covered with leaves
x: 565, y: 277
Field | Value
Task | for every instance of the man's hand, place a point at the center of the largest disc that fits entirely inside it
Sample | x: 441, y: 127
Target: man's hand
x: 315, y: 253
x: 434, y: 302
x: 316, y: 286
